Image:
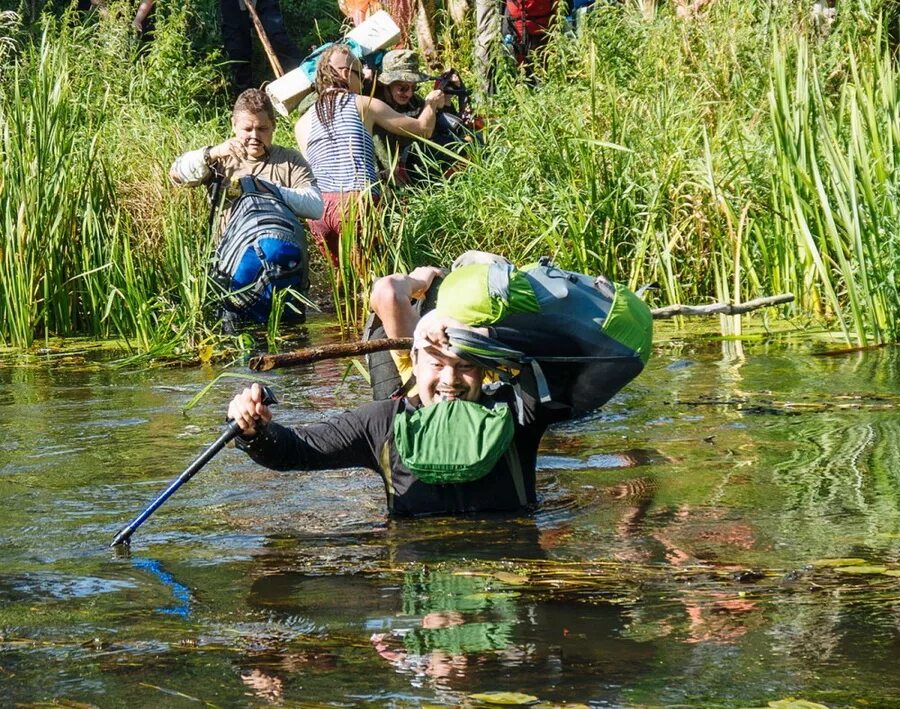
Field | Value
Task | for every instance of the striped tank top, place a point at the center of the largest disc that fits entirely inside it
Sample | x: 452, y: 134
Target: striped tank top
x: 342, y: 154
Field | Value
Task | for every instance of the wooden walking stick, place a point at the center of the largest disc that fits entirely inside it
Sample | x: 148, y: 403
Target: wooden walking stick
x: 270, y: 53
x: 263, y: 363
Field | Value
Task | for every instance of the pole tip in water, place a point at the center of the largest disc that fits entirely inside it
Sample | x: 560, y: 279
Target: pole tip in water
x: 122, y: 539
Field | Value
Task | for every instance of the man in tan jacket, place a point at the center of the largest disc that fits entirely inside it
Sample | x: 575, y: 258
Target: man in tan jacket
x: 251, y: 152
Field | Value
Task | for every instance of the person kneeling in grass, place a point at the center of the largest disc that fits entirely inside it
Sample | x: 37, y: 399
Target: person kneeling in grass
x: 455, y: 447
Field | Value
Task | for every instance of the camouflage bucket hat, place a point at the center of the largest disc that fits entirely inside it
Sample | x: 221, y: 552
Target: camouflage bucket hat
x: 401, y: 65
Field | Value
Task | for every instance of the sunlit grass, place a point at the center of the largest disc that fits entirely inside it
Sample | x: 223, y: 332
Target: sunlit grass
x: 740, y: 154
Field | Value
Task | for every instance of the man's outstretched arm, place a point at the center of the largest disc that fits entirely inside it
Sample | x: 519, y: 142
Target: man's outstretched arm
x: 348, y: 440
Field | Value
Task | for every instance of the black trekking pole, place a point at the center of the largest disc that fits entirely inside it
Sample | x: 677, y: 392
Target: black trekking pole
x: 230, y: 432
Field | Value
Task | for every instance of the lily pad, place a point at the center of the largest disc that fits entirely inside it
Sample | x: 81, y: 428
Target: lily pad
x: 863, y: 570
x: 511, y: 579
x: 839, y: 562
x: 892, y: 572
x: 792, y: 703
x: 505, y: 698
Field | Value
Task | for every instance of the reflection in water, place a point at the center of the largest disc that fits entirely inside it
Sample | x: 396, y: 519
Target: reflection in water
x: 451, y: 625
x: 181, y: 593
x: 668, y: 564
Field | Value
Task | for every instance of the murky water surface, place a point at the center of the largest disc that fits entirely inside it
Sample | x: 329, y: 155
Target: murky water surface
x: 672, y: 561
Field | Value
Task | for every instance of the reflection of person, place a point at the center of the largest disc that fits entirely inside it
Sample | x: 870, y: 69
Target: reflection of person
x: 436, y: 662
x: 251, y: 152
x: 335, y: 135
x: 414, y: 442
x: 236, y: 38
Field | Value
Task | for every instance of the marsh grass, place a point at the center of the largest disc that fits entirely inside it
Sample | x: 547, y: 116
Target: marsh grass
x: 741, y: 153
x: 56, y: 205
x: 93, y: 240
x: 366, y: 251
x: 837, y: 160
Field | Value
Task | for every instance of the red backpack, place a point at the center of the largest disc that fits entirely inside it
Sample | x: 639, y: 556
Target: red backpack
x: 529, y: 18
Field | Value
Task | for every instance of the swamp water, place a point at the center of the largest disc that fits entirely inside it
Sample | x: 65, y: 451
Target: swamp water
x: 680, y: 556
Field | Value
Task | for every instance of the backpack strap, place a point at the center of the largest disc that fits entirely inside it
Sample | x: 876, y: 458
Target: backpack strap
x: 404, y: 388
x: 248, y: 184
x: 515, y: 470
x: 384, y: 460
x: 216, y: 198
x: 251, y: 184
x: 543, y: 388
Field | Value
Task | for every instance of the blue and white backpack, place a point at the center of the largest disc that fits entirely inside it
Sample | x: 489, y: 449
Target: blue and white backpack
x: 263, y: 248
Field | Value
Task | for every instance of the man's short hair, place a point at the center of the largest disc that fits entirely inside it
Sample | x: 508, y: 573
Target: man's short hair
x: 254, y: 101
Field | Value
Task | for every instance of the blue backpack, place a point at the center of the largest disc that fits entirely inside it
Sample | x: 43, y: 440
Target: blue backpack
x: 263, y: 248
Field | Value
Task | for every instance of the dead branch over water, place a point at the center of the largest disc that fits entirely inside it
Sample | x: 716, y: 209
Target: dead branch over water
x: 264, y: 363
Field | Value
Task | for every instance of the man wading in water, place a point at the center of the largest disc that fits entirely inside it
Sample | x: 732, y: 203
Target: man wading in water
x: 251, y: 152
x: 411, y: 441
x: 458, y: 444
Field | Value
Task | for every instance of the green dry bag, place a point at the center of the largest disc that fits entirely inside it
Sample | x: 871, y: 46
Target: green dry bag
x: 453, y: 441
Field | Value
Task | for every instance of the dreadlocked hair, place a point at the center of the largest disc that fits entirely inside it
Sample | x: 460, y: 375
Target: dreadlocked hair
x: 330, y: 83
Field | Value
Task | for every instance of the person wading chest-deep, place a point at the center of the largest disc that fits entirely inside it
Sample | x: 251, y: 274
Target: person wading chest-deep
x: 561, y: 343
x: 262, y: 245
x: 404, y: 440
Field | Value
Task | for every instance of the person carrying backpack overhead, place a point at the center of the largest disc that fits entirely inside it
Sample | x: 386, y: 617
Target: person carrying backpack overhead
x: 453, y: 448
x: 584, y: 330
x: 283, y: 188
x: 458, y: 445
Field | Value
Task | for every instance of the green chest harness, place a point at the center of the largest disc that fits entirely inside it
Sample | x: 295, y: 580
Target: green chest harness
x: 454, y: 442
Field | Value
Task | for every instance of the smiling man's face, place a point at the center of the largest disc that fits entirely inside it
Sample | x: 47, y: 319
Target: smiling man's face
x: 441, y: 376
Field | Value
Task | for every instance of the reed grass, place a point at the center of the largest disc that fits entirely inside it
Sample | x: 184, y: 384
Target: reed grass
x: 94, y: 241
x: 366, y: 251
x: 837, y: 164
x: 744, y: 152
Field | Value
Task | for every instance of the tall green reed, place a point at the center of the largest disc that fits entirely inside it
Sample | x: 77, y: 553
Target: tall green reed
x: 837, y: 160
x: 93, y: 240
x: 650, y: 152
x: 57, y: 205
x: 366, y: 251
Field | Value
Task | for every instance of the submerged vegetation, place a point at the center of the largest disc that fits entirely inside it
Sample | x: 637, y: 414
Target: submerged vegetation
x: 742, y: 152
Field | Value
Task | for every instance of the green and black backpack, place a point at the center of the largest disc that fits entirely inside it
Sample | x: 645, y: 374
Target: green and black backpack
x: 573, y: 340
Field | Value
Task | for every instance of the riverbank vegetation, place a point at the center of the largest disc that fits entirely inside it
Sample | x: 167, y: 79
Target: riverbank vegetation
x: 745, y: 151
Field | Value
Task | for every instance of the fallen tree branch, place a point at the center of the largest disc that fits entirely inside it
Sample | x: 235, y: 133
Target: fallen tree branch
x: 671, y: 311
x: 263, y: 363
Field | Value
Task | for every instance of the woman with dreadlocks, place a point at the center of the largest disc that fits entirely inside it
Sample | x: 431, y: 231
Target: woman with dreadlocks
x: 335, y: 136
